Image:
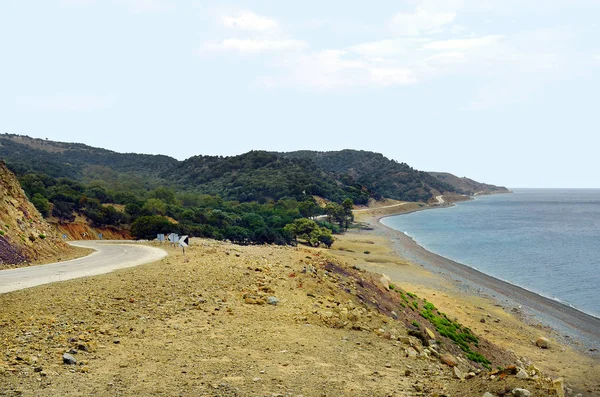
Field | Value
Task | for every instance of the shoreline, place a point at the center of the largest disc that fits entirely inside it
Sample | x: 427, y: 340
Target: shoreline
x: 570, y: 324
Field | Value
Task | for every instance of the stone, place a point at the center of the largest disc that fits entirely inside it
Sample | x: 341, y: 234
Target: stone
x: 558, y: 385
x: 518, y: 392
x: 449, y: 360
x: 542, y: 343
x: 69, y: 359
x: 410, y: 352
x: 457, y: 373
x: 521, y: 374
x: 385, y: 281
x: 470, y: 375
x: 271, y: 300
x: 429, y: 333
x: 388, y: 365
x: 487, y: 394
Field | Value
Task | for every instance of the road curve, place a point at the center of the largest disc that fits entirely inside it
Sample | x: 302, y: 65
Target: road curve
x: 108, y: 256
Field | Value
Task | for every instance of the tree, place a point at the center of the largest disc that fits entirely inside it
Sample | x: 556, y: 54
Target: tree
x: 41, y: 203
x: 155, y: 206
x: 309, y: 231
x: 147, y: 227
x: 63, y: 211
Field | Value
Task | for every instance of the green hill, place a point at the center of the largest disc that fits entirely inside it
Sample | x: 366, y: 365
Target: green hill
x: 381, y: 176
x: 468, y: 186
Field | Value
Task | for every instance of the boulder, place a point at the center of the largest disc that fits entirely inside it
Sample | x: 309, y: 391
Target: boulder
x: 542, y: 343
x: 457, y: 373
x: 521, y: 374
x: 429, y: 333
x: 518, y: 392
x: 449, y: 360
x: 385, y: 281
x: 558, y: 385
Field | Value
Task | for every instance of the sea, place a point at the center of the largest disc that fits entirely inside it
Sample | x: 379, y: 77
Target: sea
x: 544, y: 240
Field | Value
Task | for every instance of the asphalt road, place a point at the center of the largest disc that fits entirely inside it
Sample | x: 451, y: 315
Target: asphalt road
x: 108, y: 256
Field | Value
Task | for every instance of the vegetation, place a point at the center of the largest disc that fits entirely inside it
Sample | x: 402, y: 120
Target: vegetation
x: 383, y: 177
x: 462, y: 336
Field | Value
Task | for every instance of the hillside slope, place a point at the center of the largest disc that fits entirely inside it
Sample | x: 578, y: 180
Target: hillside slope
x: 24, y: 235
x: 260, y: 176
x: 468, y: 186
x: 385, y: 178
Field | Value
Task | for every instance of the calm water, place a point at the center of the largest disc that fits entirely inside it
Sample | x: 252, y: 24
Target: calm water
x: 545, y: 240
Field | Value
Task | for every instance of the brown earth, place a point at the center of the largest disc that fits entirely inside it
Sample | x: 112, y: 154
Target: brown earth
x: 25, y: 237
x: 200, y: 325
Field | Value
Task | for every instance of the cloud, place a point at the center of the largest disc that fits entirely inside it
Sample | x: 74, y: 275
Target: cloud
x: 421, y: 21
x: 388, y: 47
x: 247, y: 20
x: 334, y: 70
x: 67, y: 102
x: 463, y: 44
x: 254, y: 46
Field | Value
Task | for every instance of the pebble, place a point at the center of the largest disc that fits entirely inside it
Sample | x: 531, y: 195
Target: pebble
x: 487, y: 394
x: 521, y: 392
x: 69, y: 359
x: 272, y: 300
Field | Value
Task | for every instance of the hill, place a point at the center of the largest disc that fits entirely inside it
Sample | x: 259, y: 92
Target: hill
x: 254, y: 176
x: 383, y: 177
x: 24, y: 234
x: 80, y: 162
x: 261, y: 176
x: 468, y: 186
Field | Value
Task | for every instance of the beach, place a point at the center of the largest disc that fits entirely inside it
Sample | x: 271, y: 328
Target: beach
x: 506, y: 314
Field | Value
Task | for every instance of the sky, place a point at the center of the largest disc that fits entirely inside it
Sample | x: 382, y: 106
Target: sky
x: 501, y: 91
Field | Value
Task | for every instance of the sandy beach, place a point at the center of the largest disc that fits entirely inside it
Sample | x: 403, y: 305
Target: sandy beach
x: 504, y: 313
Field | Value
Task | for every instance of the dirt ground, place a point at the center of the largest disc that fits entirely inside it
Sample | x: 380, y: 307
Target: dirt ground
x: 201, y: 325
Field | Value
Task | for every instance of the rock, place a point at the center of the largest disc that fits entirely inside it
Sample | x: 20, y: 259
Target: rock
x: 470, y: 375
x: 558, y: 385
x: 385, y: 281
x: 487, y: 394
x: 542, y: 343
x: 457, y: 373
x: 482, y: 320
x: 521, y: 374
x: 410, y: 352
x: 388, y: 365
x: 69, y: 359
x: 271, y: 300
x: 521, y: 392
x: 449, y: 360
x: 429, y: 333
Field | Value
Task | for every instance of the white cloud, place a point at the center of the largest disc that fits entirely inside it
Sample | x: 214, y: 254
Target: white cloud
x: 68, y: 102
x: 397, y: 76
x: 463, y: 44
x: 421, y: 21
x: 254, y: 46
x: 388, y: 47
x: 334, y: 70
x: 247, y: 20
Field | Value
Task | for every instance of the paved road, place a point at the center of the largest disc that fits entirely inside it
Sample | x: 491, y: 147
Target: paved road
x: 108, y: 256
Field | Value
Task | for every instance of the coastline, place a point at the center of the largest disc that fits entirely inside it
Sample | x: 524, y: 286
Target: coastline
x: 564, y: 319
x: 505, y: 314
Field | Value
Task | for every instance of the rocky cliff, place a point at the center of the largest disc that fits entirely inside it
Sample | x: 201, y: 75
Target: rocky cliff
x: 24, y: 235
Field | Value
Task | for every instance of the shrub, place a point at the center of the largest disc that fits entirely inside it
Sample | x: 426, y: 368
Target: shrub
x: 42, y: 236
